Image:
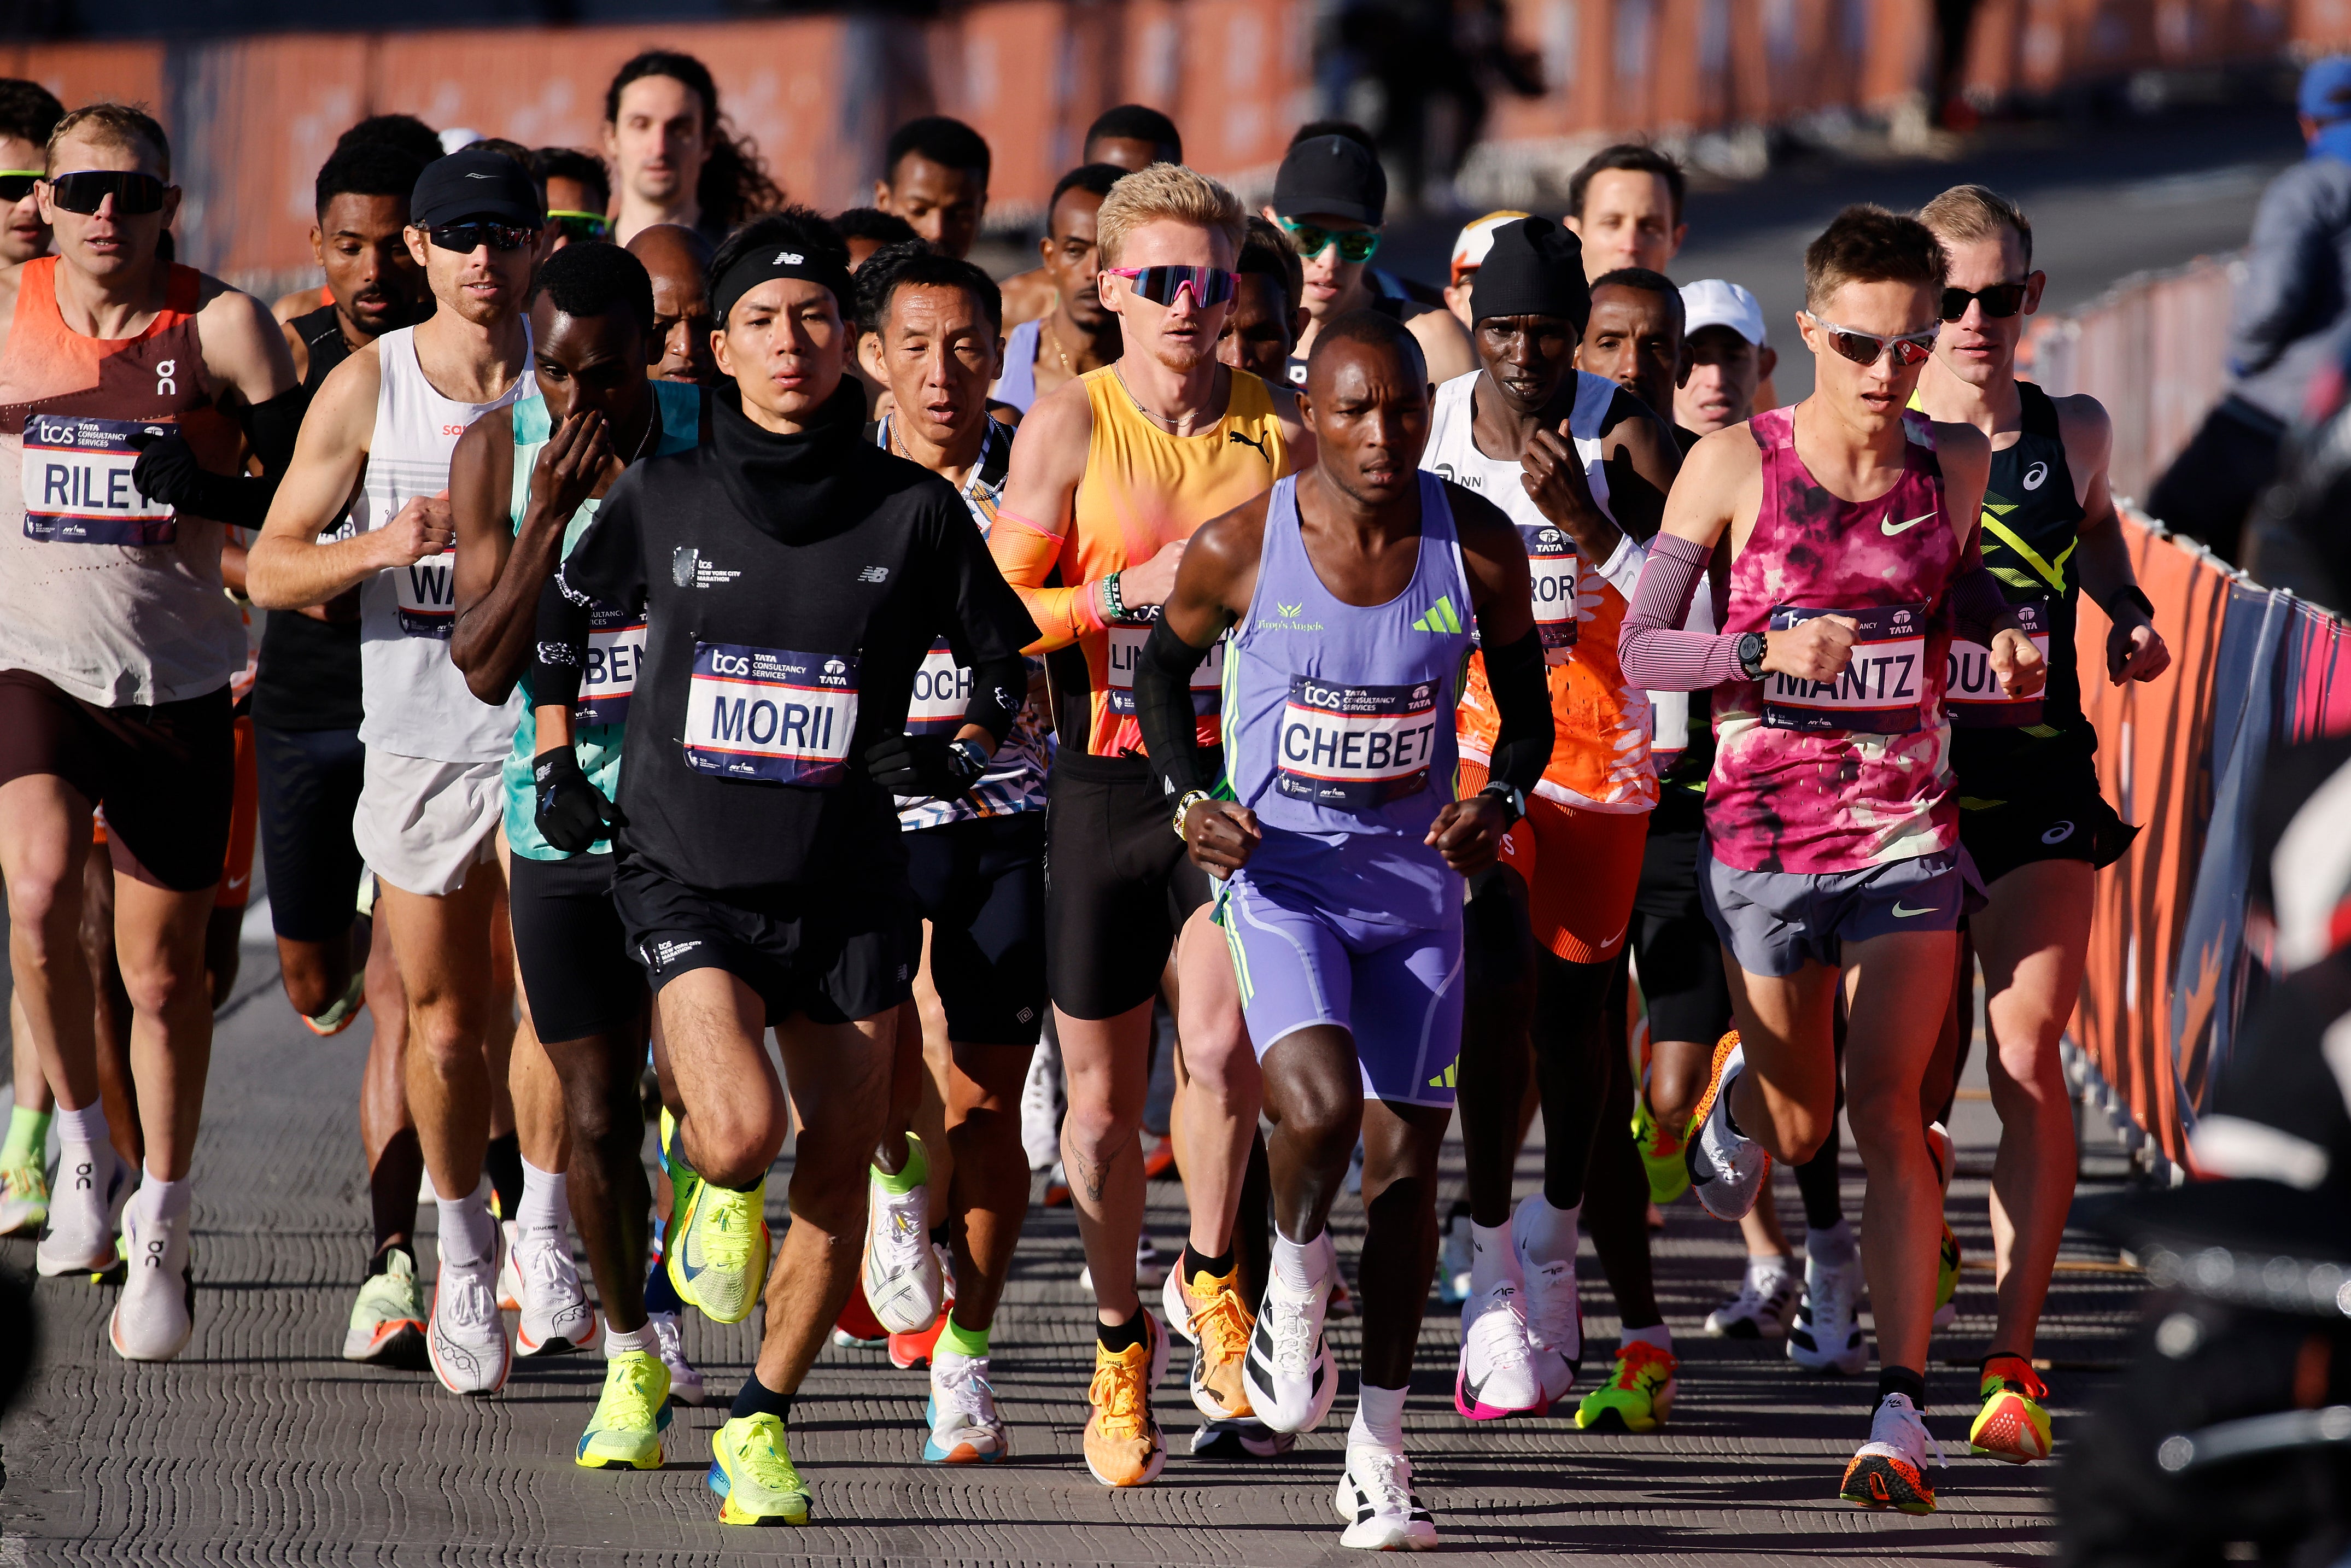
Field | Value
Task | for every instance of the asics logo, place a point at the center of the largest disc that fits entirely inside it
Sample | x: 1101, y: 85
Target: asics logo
x: 1902, y: 914
x: 2058, y: 833
x: 2036, y: 475
x: 1890, y: 528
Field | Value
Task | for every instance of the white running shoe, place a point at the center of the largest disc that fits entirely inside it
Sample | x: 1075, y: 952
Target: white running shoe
x: 86, y: 1206
x: 965, y: 1427
x: 1890, y: 1470
x: 903, y: 1282
x: 1726, y: 1169
x: 555, y: 1317
x: 1288, y: 1372
x: 510, y: 1287
x: 157, y: 1310
x: 1765, y: 1305
x: 1827, y: 1335
x: 465, y: 1338
x: 1377, y: 1500
x: 1041, y: 1107
x: 1148, y: 1262
x: 685, y: 1382
x: 1494, y: 1375
x: 1554, y: 1307
x: 1453, y: 1258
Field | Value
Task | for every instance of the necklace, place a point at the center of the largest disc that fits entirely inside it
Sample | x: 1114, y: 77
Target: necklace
x: 1158, y: 419
x: 1054, y: 337
x: 898, y: 443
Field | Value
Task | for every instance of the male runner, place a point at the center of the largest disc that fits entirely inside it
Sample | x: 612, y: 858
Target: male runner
x: 2031, y: 813
x: 578, y: 192
x: 672, y: 157
x: 935, y: 175
x: 1832, y: 855
x: 1270, y: 311
x: 1128, y: 138
x: 116, y: 651
x: 1469, y: 248
x: 410, y: 135
x: 865, y: 230
x: 1624, y: 203
x: 1341, y: 849
x: 678, y: 260
x: 384, y: 424
x: 761, y: 875
x: 1078, y: 334
x: 1634, y: 337
x: 1582, y: 468
x: 1110, y: 477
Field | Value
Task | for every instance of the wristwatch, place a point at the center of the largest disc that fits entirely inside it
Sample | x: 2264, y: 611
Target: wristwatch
x: 1513, y: 800
x: 1751, y: 647
x: 1183, y: 807
x: 975, y: 760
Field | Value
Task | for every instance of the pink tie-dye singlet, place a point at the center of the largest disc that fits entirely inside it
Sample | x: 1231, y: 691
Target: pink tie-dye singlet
x: 1845, y: 775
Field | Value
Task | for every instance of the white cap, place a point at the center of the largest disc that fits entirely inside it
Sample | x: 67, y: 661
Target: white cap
x: 1711, y: 302
x: 456, y: 138
x: 1469, y: 247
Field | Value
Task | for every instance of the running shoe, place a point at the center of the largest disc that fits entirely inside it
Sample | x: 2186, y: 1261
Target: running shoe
x: 1250, y: 1439
x: 1123, y: 1448
x: 1287, y: 1372
x: 24, y: 1197
x: 1637, y: 1398
x: 1206, y: 1311
x: 1495, y: 1374
x: 1827, y: 1335
x: 1726, y: 1169
x: 1158, y: 1158
x: 964, y: 1428
x: 1763, y: 1308
x: 81, y: 1236
x: 510, y: 1286
x: 1040, y: 1108
x: 157, y: 1310
x: 1947, y: 1278
x: 1453, y: 1258
x: 1377, y: 1500
x: 626, y: 1432
x: 751, y: 1469
x: 685, y: 1382
x: 1148, y: 1264
x: 912, y: 1352
x: 1341, y: 1304
x: 465, y: 1338
x: 1555, y: 1312
x: 1890, y: 1470
x: 1939, y: 1150
x: 343, y: 1013
x: 856, y: 1328
x: 555, y: 1317
x: 1057, y: 1187
x: 1661, y: 1150
x: 2013, y: 1423
x: 387, y: 1318
x: 718, y: 1253
x: 903, y: 1283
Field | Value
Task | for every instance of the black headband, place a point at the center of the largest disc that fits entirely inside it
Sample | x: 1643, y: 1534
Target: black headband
x: 765, y: 264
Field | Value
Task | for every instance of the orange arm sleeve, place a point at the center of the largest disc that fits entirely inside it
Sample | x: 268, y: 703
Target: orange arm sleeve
x: 1025, y: 554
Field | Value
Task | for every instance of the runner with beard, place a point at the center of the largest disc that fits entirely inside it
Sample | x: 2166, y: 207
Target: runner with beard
x: 935, y: 175
x: 678, y: 259
x: 1270, y: 312
x: 1079, y: 334
x: 403, y: 131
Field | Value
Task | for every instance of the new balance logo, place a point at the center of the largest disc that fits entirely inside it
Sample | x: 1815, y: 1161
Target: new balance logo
x: 875, y: 574
x: 783, y: 257
x: 1441, y: 617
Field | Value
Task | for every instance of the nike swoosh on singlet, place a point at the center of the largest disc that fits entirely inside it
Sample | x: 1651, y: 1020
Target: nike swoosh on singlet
x: 1902, y: 914
x: 1889, y: 527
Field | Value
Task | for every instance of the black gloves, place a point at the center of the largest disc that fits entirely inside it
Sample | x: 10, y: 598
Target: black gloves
x: 572, y: 813
x: 167, y: 470
x: 925, y: 766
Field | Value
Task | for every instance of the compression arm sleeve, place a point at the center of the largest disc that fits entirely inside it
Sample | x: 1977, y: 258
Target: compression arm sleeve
x: 560, y: 652
x: 1524, y: 733
x: 1025, y: 553
x: 1163, y: 710
x: 241, y: 500
x: 1977, y: 603
x: 1000, y: 686
x: 1653, y: 649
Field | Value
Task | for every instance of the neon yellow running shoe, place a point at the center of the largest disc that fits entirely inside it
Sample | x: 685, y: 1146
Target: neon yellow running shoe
x: 24, y: 1198
x: 1637, y: 1398
x: 2012, y: 1425
x: 626, y: 1432
x: 717, y: 1254
x: 1947, y: 1278
x: 751, y: 1468
x: 1661, y: 1153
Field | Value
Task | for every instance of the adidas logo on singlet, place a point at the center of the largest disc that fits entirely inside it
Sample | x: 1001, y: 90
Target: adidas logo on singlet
x: 1441, y: 617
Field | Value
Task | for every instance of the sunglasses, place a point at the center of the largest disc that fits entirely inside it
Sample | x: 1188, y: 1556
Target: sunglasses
x: 15, y: 184
x: 580, y: 225
x: 471, y: 235
x: 86, y: 190
x: 1310, y: 240
x: 1909, y: 350
x: 1160, y: 285
x: 1999, y: 299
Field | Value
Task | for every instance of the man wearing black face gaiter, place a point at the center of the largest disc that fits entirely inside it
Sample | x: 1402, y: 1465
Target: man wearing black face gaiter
x: 792, y: 577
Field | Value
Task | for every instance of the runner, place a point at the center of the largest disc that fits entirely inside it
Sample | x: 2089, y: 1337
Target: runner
x: 1469, y: 248
x: 383, y: 424
x: 678, y: 259
x: 410, y: 135
x: 1110, y: 477
x: 1270, y: 311
x: 867, y: 229
x: 1341, y: 847
x: 2030, y: 812
x: 1329, y: 198
x: 1624, y: 203
x: 935, y: 175
x: 578, y: 192
x: 1128, y: 138
x: 1079, y: 334
x: 673, y: 156
x: 1579, y: 501
x: 762, y: 872
x: 115, y: 660
x: 1865, y: 882
x: 1634, y: 337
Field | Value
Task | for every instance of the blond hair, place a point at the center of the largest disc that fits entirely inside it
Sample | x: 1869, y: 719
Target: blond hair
x: 1971, y: 213
x: 1169, y: 192
x: 113, y: 125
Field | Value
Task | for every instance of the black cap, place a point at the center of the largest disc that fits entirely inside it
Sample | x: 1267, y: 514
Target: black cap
x: 1332, y: 175
x: 474, y: 182
x: 1534, y: 269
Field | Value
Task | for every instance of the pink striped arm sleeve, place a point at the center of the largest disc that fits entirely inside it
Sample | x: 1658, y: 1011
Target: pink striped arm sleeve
x: 1653, y: 650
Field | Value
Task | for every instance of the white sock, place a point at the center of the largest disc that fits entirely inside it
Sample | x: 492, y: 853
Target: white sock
x: 1660, y: 1336
x: 1302, y: 1265
x: 469, y: 1234
x: 1762, y: 1271
x: 1492, y: 1258
x: 1832, y: 1248
x: 160, y: 1200
x: 87, y: 1125
x: 1550, y: 1235
x: 1379, y: 1419
x: 640, y: 1338
x: 544, y: 1208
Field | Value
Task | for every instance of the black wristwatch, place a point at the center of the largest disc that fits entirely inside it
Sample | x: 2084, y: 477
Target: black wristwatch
x: 1513, y: 800
x: 975, y: 760
x: 1751, y: 647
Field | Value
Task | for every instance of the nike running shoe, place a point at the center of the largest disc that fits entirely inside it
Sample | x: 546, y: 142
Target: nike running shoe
x: 1123, y: 1448
x: 1661, y: 1150
x: 751, y: 1469
x: 555, y: 1317
x: 24, y: 1197
x: 344, y: 1012
x: 912, y: 1352
x: 2013, y: 1423
x: 1726, y: 1170
x: 1494, y: 1375
x: 1947, y: 1278
x: 387, y: 1318
x: 904, y: 1284
x: 466, y: 1339
x: 718, y: 1253
x: 965, y: 1427
x: 1250, y: 1439
x: 1207, y: 1312
x: 1555, y: 1312
x: 157, y: 1310
x: 1827, y: 1335
x: 624, y: 1434
x: 1377, y: 1500
x: 856, y: 1327
x: 1040, y: 1107
x: 85, y: 1213
x: 685, y: 1382
x: 1288, y: 1372
x: 1453, y: 1258
x: 1765, y: 1305
x: 1890, y: 1470
x: 1637, y: 1398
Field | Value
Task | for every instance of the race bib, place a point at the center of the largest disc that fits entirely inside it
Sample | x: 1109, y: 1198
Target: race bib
x: 1880, y: 691
x: 616, y: 647
x: 942, y: 692
x: 1355, y: 749
x: 771, y: 714
x: 1973, y: 689
x: 78, y: 486
x: 1126, y: 651
x: 427, y: 590
x: 1550, y: 557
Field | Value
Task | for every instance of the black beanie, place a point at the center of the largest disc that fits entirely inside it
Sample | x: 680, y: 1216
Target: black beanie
x: 1534, y: 269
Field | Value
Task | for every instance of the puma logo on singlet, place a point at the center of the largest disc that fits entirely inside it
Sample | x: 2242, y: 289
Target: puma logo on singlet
x: 1890, y: 528
x: 1250, y: 441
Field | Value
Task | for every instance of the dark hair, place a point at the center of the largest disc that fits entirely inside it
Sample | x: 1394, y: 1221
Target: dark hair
x: 940, y: 139
x: 1097, y: 178
x: 1267, y: 253
x: 1643, y: 278
x: 119, y: 123
x: 504, y: 147
x: 367, y: 169
x: 1346, y: 127
x: 1628, y: 155
x: 873, y: 224
x: 802, y: 229
x: 734, y: 186
x: 569, y: 163
x: 405, y: 131
x: 1137, y: 122
x: 1373, y: 327
x: 596, y: 277
x: 916, y: 265
x: 1866, y: 243
x: 28, y: 111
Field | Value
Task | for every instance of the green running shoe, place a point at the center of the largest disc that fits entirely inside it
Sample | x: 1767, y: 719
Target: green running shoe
x: 751, y: 1468
x: 1947, y: 1278
x: 626, y: 1432
x: 1661, y: 1153
x: 24, y: 1198
x: 718, y: 1253
x: 1637, y: 1398
x: 387, y: 1319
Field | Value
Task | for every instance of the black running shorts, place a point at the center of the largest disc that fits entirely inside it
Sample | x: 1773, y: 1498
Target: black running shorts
x: 1118, y: 884
x: 310, y: 789
x: 2069, y: 822
x: 1675, y: 947
x: 981, y: 884
x: 572, y: 952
